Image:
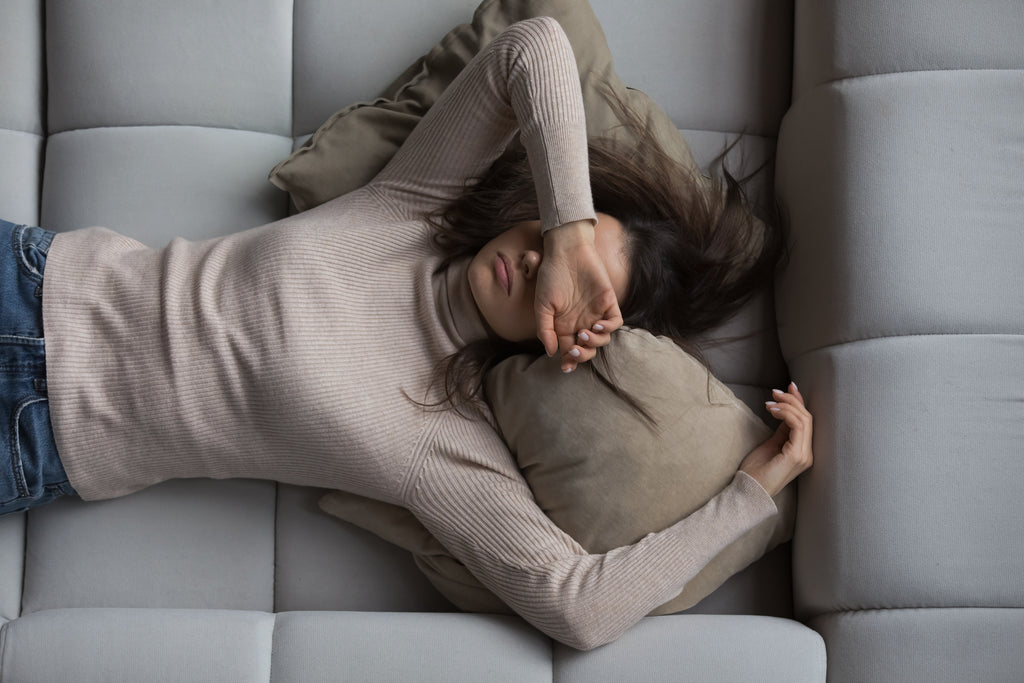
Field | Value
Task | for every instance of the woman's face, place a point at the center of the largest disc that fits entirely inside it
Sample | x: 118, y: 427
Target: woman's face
x: 503, y: 274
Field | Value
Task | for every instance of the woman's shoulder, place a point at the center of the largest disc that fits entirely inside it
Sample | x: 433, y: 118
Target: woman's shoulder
x: 466, y: 438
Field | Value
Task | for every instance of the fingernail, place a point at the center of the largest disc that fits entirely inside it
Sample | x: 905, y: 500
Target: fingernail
x: 567, y: 369
x: 584, y: 336
x: 770, y: 403
x: 575, y: 353
x: 598, y: 327
x: 793, y: 384
x: 776, y: 392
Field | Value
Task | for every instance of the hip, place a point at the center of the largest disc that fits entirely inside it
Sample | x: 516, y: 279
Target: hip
x: 31, y: 472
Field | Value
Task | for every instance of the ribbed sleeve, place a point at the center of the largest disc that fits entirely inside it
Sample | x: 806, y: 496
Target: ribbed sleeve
x: 482, y: 511
x: 526, y: 80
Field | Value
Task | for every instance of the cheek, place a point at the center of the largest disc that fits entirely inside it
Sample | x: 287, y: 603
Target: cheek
x: 512, y: 319
x: 525, y: 316
x: 476, y: 284
x: 476, y: 275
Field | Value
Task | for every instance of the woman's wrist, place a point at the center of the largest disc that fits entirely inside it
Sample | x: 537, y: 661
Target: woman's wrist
x: 569, y: 235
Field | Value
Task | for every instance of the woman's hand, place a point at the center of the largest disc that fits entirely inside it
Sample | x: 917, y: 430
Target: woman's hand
x: 576, y: 306
x: 787, y: 453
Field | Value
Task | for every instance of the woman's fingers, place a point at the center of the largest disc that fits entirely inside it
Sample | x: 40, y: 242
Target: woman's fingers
x: 789, y: 448
x: 789, y: 403
x: 792, y: 395
x: 593, y: 339
x: 796, y: 416
x: 587, y: 344
x: 577, y: 354
x: 797, y: 448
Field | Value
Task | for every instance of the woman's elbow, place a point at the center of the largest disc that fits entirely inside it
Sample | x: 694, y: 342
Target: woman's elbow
x: 579, y: 629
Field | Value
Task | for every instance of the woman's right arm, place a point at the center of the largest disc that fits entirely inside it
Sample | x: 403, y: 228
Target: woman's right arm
x: 473, y: 499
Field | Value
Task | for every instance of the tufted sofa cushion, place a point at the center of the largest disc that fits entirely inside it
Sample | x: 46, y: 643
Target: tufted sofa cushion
x: 901, y: 164
x: 234, y: 645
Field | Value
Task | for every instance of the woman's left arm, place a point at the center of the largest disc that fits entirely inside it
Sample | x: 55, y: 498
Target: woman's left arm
x: 472, y: 498
x: 525, y: 80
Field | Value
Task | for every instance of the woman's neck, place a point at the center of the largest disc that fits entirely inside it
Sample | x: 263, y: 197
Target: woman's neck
x: 457, y: 305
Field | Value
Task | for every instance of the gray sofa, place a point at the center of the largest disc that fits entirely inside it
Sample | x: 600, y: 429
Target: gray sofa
x: 900, y: 165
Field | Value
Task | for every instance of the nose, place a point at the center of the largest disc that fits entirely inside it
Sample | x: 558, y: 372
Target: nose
x: 531, y: 262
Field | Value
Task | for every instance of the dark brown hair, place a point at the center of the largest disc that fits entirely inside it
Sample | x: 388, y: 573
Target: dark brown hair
x: 697, y: 252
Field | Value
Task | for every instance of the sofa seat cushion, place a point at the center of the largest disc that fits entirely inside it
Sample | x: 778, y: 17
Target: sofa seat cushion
x: 707, y: 648
x: 407, y: 646
x: 967, y: 644
x: 112, y: 644
x: 192, y: 543
x: 124, y: 644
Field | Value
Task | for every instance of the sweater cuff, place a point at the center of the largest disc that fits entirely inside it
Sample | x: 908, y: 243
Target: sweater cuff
x: 561, y: 172
x: 760, y: 500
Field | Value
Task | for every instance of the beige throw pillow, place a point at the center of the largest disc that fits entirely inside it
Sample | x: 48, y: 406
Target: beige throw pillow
x: 607, y: 476
x: 603, y: 473
x: 354, y: 144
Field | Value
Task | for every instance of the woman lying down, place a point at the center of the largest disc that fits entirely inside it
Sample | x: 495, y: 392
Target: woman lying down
x: 309, y: 351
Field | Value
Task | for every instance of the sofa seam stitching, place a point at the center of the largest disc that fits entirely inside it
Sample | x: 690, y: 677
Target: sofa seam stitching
x: 841, y: 612
x: 201, y: 126
x: 885, y: 74
x: 823, y: 347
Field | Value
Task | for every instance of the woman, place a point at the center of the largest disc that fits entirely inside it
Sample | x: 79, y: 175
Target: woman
x: 291, y: 352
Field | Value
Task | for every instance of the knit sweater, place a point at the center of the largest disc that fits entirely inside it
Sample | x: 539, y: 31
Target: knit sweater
x: 296, y: 352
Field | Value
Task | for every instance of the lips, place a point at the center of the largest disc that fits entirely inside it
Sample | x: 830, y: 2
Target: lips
x: 503, y: 271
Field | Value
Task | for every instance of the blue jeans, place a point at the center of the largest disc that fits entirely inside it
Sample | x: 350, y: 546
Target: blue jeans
x: 30, y: 469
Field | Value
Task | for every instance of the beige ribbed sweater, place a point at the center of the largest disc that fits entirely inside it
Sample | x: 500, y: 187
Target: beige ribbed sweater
x: 288, y: 352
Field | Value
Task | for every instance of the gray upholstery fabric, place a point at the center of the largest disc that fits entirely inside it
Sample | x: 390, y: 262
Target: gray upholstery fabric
x: 338, y: 55
x: 12, y: 564
x: 157, y: 183
x: 925, y: 645
x: 901, y: 315
x: 844, y: 38
x: 292, y: 647
x: 748, y: 39
x: 917, y: 178
x: 103, y: 645
x: 196, y: 544
x: 21, y: 110
x: 21, y: 66
x: 920, y: 467
x: 20, y: 166
x: 701, y: 648
x: 353, y: 646
x: 225, y: 64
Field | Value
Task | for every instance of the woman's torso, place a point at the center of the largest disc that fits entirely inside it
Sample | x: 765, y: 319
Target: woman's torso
x: 288, y: 352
